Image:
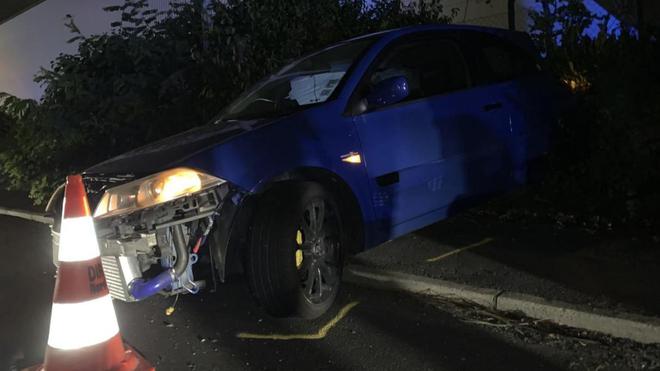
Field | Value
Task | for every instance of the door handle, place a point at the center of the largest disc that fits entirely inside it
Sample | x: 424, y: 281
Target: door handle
x: 492, y: 106
x: 388, y: 179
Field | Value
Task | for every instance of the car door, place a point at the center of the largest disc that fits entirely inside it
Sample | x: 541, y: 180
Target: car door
x: 511, y: 78
x: 540, y: 101
x: 423, y: 154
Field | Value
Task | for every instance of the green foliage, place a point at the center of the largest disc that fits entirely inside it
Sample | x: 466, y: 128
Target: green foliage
x: 155, y: 74
x: 607, y: 161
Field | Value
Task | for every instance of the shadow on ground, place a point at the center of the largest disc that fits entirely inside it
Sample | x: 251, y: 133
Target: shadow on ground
x: 547, y: 260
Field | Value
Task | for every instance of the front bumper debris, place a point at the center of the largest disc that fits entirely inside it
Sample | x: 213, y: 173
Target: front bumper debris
x: 138, y: 246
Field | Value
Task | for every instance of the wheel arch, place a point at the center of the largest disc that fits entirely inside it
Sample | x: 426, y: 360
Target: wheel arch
x: 348, y: 203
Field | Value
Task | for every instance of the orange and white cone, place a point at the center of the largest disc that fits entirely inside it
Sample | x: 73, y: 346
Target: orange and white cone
x: 84, y: 334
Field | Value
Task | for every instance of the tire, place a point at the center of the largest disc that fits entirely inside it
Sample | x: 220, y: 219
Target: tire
x: 293, y: 262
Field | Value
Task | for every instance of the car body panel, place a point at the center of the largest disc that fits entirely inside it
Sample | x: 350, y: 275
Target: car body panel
x: 171, y: 151
x: 441, y: 149
x: 307, y: 140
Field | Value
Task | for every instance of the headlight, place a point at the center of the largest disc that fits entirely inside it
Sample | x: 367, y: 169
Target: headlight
x: 153, y: 190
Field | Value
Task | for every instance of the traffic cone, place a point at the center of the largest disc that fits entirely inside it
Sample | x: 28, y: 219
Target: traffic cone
x: 84, y: 334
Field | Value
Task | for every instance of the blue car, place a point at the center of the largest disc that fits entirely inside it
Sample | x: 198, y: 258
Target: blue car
x: 337, y: 152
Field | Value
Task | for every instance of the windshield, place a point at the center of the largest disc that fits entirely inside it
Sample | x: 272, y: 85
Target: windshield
x: 308, y: 81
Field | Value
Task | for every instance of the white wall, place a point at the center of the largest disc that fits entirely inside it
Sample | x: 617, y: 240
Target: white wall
x: 35, y: 37
x: 490, y: 13
x: 493, y: 13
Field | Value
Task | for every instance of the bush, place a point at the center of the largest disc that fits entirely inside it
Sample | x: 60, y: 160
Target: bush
x: 606, y: 164
x: 155, y: 74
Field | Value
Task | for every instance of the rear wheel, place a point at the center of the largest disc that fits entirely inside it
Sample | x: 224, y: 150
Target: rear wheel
x: 295, y: 253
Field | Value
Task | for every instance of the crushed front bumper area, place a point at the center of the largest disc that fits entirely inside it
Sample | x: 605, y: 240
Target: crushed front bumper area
x: 146, y: 246
x: 142, y: 245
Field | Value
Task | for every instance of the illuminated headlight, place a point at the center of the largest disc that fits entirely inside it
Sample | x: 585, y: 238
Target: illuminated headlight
x: 153, y: 190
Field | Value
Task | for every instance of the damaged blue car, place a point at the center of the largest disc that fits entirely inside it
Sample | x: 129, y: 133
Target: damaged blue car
x: 339, y: 151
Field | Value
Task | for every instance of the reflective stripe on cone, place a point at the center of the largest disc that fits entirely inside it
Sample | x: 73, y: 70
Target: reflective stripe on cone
x: 78, y: 325
x: 78, y: 239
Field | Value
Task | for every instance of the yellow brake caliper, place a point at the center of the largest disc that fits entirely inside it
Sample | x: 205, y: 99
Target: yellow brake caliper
x: 299, y: 253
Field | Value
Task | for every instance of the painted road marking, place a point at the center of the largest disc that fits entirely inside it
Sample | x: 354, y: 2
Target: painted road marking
x: 480, y: 243
x: 319, y: 335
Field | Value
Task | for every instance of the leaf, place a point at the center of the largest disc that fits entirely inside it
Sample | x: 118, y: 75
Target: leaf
x: 71, y: 25
x: 74, y: 39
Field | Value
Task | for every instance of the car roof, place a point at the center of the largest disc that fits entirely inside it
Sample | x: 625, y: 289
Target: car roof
x: 519, y: 38
x: 436, y: 27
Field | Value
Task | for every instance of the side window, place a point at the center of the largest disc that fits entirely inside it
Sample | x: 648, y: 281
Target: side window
x: 499, y: 61
x: 431, y: 67
x: 525, y: 63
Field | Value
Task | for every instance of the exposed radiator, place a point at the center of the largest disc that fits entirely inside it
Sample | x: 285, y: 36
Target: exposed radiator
x: 119, y: 271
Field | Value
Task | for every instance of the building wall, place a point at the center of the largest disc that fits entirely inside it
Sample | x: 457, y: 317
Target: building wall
x: 34, y: 38
x: 490, y: 13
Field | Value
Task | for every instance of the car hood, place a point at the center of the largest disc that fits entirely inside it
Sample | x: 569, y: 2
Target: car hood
x: 171, y: 151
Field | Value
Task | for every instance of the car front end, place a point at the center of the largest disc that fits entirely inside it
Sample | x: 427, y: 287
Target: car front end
x: 154, y: 231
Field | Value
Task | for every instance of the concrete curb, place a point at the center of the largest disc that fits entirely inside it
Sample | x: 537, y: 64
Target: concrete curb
x: 29, y: 215
x: 623, y: 325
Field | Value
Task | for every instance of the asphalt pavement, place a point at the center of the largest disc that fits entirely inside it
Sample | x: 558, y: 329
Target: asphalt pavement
x: 366, y: 329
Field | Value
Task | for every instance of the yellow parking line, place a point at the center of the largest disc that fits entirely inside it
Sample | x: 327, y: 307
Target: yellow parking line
x: 323, y: 331
x: 482, y: 242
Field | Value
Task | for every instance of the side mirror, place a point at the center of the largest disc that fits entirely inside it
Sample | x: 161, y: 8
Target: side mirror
x: 389, y: 91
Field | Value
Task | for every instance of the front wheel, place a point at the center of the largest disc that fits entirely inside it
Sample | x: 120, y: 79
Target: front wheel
x: 295, y: 252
